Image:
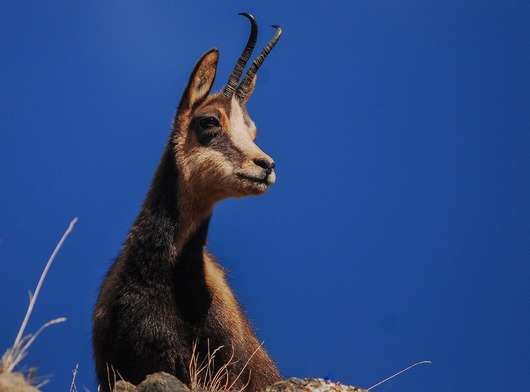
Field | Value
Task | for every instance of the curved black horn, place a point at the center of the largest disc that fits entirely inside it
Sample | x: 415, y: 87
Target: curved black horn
x: 231, y: 86
x: 243, y: 88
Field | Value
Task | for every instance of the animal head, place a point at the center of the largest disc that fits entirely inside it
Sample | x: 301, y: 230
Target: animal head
x: 214, y: 137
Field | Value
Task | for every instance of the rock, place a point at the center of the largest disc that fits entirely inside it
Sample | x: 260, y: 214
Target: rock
x: 156, y: 382
x: 161, y: 382
x: 164, y: 382
x: 311, y: 385
x: 124, y: 386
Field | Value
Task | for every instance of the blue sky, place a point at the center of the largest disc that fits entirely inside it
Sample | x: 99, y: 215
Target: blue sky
x: 399, y: 226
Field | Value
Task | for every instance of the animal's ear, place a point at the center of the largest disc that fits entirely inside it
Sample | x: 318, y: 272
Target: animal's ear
x: 201, y: 80
x: 250, y: 90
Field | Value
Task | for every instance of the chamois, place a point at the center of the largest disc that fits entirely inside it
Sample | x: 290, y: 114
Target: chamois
x: 165, y: 299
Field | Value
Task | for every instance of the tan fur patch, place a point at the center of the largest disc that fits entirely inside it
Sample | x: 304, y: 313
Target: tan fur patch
x: 216, y: 281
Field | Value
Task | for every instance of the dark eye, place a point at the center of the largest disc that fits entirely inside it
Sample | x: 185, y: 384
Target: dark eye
x: 209, y: 122
x: 208, y: 129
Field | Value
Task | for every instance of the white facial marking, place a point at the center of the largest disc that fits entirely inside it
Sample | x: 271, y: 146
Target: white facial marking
x: 239, y: 132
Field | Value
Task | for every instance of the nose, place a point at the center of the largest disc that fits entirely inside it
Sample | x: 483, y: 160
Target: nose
x: 265, y: 163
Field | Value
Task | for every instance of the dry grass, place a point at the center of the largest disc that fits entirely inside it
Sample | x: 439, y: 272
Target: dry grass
x: 397, y: 374
x: 16, y: 353
x: 116, y: 376
x: 204, y: 376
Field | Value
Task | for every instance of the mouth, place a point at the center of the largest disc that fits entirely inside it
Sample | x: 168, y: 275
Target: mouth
x: 256, y: 179
x: 262, y: 180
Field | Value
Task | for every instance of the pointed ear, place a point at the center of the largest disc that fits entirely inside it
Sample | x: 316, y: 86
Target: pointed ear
x: 201, y: 80
x: 250, y: 90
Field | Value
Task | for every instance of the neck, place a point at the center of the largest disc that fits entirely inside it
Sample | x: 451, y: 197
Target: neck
x: 171, y: 228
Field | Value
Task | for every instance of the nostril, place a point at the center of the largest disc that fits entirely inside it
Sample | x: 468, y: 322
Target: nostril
x: 264, y: 163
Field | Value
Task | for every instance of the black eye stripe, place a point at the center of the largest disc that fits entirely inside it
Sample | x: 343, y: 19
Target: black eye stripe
x: 209, y: 122
x: 224, y: 144
x: 217, y: 140
x: 206, y: 127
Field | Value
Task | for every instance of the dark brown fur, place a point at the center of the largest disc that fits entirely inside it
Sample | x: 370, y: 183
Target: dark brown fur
x: 165, y: 293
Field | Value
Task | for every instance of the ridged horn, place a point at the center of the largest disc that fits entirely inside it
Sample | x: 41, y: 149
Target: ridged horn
x: 231, y: 86
x: 243, y: 88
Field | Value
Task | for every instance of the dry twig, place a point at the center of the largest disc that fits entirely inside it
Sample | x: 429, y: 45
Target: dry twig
x: 14, y: 355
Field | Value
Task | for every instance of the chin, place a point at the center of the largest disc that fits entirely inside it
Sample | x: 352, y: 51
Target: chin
x: 251, y: 188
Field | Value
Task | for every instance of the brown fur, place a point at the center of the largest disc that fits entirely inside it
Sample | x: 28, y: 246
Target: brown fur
x: 164, y: 293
